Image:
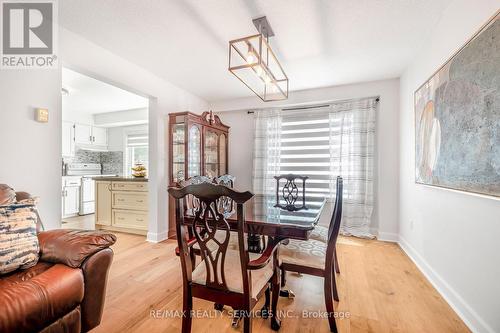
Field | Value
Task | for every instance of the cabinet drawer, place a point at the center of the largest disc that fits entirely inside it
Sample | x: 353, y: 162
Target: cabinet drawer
x: 130, y: 200
x: 129, y: 186
x: 72, y: 181
x: 130, y: 219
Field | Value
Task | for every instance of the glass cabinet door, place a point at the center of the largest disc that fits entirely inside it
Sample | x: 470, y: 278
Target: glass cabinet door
x: 194, y: 152
x: 211, y: 154
x: 222, y: 154
x: 179, y: 153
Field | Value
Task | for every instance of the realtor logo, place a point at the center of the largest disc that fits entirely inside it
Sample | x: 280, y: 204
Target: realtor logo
x: 28, y: 34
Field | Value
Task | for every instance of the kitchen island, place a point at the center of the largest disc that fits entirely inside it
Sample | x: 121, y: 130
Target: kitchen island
x: 122, y: 204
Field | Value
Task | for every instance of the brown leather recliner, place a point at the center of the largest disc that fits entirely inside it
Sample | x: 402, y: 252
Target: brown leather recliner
x: 65, y: 290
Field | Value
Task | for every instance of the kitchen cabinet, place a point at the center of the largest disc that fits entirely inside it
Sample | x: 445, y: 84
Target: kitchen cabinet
x: 88, y: 136
x: 71, y: 196
x: 103, y: 203
x: 68, y: 139
x: 83, y: 134
x: 122, y: 205
x: 100, y: 136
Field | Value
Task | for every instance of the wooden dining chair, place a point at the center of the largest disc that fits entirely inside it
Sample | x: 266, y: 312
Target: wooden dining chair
x: 226, y: 180
x: 227, y: 205
x: 235, y: 278
x: 287, y: 196
x: 314, y: 257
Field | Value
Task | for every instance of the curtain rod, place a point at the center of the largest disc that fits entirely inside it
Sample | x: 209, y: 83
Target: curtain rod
x: 377, y: 99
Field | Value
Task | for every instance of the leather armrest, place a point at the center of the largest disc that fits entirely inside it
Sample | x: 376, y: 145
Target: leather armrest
x: 72, y: 247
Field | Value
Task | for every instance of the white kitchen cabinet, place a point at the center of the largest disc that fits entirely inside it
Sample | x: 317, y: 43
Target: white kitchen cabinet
x: 68, y: 139
x: 88, y: 136
x: 71, y: 200
x: 99, y: 136
x: 83, y: 134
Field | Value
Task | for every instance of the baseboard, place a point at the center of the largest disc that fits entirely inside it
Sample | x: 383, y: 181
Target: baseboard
x: 388, y: 237
x: 457, y: 303
x: 156, y: 237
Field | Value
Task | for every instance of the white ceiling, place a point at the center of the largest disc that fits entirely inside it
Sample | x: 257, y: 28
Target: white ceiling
x: 319, y: 42
x: 88, y: 96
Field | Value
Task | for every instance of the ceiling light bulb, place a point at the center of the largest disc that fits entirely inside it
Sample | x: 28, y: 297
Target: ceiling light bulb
x: 250, y: 58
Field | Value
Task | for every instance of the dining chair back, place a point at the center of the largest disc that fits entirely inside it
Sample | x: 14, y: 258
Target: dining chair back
x: 288, y: 194
x: 191, y: 202
x: 226, y: 204
x: 334, y: 227
x: 226, y: 180
x: 314, y: 257
x: 224, y: 276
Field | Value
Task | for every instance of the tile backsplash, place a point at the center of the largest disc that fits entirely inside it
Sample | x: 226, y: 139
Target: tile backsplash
x: 112, y: 161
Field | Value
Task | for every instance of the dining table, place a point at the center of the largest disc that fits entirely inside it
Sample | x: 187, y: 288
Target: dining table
x: 264, y: 218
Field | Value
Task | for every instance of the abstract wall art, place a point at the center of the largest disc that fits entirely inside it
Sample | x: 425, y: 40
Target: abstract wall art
x: 457, y: 118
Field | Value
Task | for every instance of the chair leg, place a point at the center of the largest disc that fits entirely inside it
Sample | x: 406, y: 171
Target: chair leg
x: 247, y: 324
x: 334, y: 288
x: 336, y: 260
x: 187, y: 306
x: 328, y: 285
x: 265, y: 309
x: 275, y: 321
x: 285, y: 293
x: 283, y: 277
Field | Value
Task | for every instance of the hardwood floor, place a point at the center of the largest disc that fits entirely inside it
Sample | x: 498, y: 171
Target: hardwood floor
x: 86, y: 222
x: 380, y: 290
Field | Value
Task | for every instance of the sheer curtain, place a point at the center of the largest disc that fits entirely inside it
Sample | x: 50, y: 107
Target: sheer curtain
x: 352, y: 146
x: 321, y: 142
x: 267, y: 150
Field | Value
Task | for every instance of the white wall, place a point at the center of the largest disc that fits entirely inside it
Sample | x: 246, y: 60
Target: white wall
x: 31, y: 151
x: 75, y: 116
x: 122, y: 118
x: 90, y: 59
x: 385, y: 215
x: 452, y: 236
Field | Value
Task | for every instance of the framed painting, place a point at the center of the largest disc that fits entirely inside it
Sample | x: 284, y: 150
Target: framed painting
x: 457, y: 118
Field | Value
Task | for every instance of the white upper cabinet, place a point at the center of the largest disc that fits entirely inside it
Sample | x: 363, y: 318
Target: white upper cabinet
x: 83, y: 134
x: 100, y: 136
x: 68, y: 139
x: 88, y: 136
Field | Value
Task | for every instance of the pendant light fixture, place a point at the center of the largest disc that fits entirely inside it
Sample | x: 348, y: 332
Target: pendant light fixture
x: 254, y: 63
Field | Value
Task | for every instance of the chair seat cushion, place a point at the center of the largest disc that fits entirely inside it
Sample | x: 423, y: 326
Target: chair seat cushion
x: 32, y: 299
x: 319, y: 233
x: 311, y: 253
x: 233, y: 275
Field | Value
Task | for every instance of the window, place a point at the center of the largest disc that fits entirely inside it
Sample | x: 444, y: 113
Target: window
x: 305, y: 149
x: 136, y: 151
x: 321, y: 142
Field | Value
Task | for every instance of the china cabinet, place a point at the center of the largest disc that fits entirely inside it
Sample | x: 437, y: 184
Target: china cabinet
x: 198, y: 146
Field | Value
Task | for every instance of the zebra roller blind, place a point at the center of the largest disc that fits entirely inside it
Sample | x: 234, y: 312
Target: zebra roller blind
x: 322, y: 143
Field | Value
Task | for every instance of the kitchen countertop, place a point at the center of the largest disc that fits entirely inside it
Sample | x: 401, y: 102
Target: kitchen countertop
x: 121, y: 179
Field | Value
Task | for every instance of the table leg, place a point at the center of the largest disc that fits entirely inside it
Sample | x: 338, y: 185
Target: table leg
x: 255, y: 243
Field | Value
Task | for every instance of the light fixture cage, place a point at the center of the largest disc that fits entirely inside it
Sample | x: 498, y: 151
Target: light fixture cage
x: 254, y: 63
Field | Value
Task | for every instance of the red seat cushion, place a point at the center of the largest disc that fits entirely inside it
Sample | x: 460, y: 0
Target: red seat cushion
x: 34, y: 298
